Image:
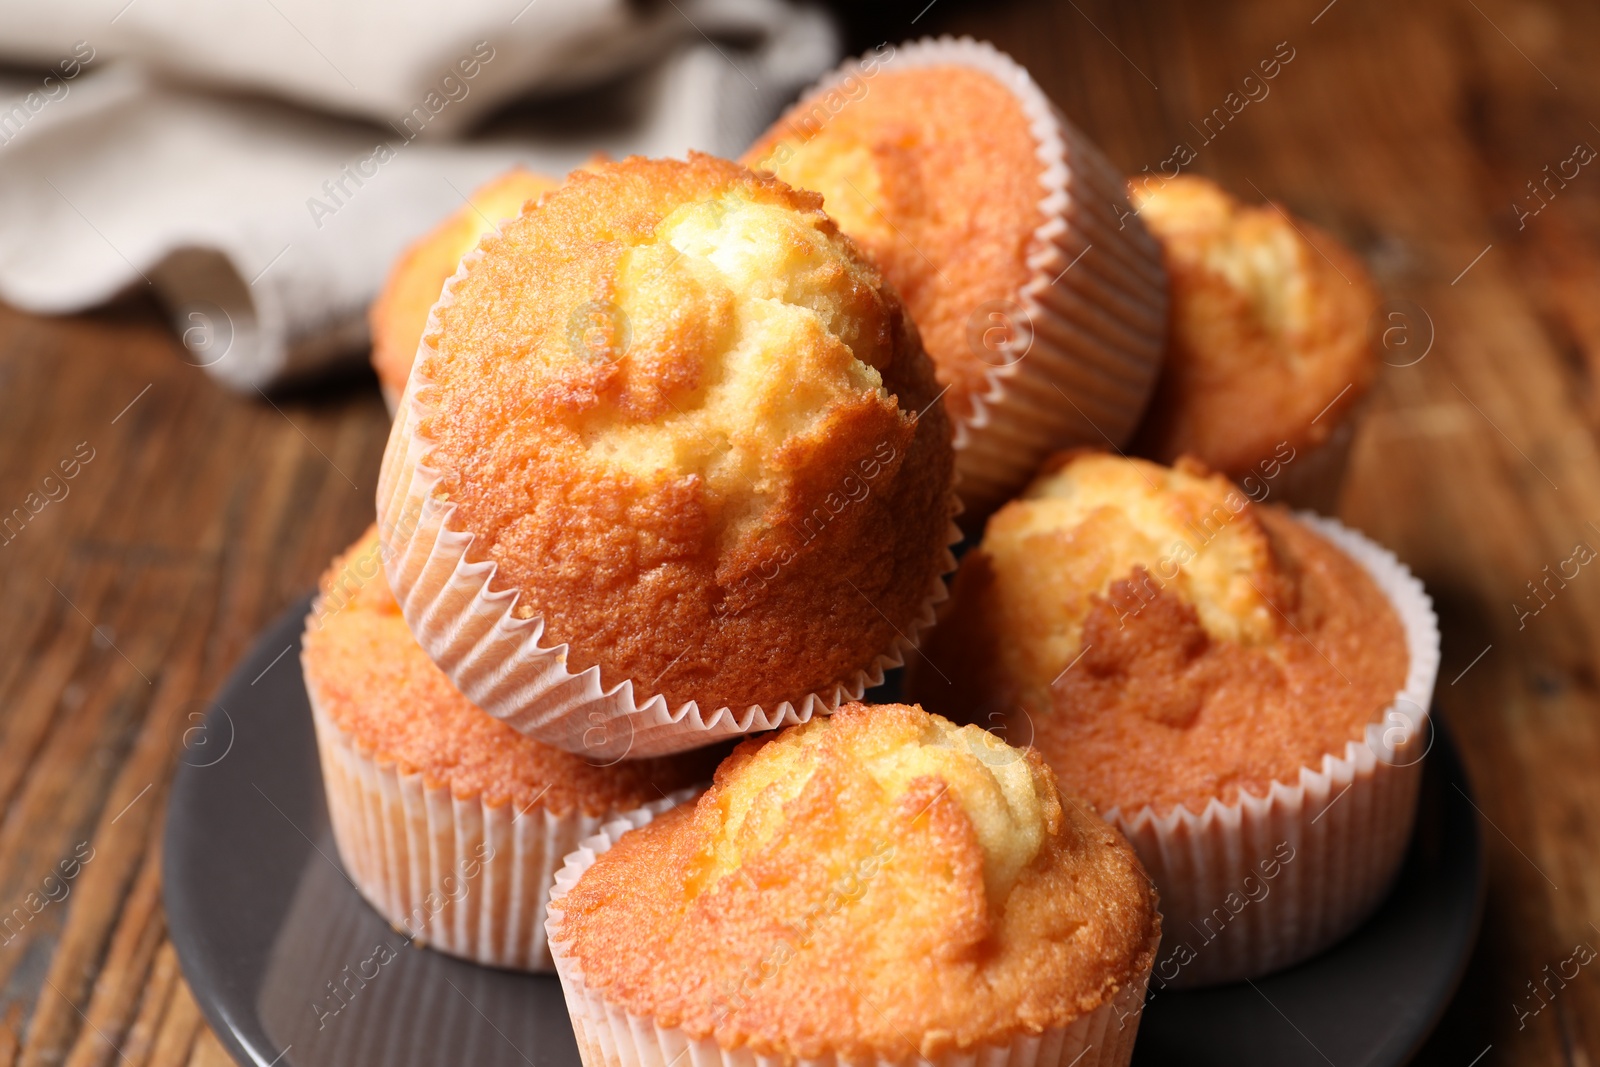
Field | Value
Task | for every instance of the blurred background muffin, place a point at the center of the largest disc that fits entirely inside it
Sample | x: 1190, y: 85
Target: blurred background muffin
x: 450, y: 823
x: 875, y: 886
x: 682, y: 444
x: 1269, y: 351
x: 1184, y: 659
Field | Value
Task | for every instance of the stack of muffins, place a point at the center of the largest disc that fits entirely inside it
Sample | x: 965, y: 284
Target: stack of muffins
x: 679, y: 455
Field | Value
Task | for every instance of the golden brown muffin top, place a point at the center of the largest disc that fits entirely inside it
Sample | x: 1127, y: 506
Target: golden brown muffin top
x: 399, y: 314
x: 1161, y: 639
x: 934, y: 171
x: 695, y: 431
x: 380, y: 688
x: 875, y: 884
x: 1268, y: 338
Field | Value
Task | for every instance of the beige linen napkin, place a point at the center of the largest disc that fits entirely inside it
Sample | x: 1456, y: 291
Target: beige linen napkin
x: 259, y: 163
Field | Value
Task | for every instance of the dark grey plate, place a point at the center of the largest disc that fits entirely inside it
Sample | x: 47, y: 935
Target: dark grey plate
x: 275, y: 941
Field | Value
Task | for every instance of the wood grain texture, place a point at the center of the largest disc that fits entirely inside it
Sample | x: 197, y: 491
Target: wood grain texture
x: 179, y: 1028
x: 1409, y: 131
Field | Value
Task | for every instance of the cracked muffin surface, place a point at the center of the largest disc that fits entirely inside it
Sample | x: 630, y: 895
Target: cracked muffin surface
x: 877, y: 884
x: 1161, y: 639
x: 695, y: 431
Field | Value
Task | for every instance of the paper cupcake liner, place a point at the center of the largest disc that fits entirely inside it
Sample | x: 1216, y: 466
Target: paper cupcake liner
x: 1083, y: 367
x: 1254, y: 886
x: 499, y: 661
x: 1315, y: 479
x: 611, y: 1036
x: 461, y: 875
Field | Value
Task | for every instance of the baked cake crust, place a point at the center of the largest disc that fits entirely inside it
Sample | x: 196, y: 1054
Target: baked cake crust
x: 694, y: 430
x: 934, y: 172
x: 399, y: 314
x: 383, y: 692
x: 878, y: 884
x: 1161, y: 639
x: 1268, y: 341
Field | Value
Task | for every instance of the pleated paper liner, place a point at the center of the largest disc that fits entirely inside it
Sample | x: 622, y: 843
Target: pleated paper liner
x: 1315, y: 480
x: 1257, y: 885
x: 611, y: 1036
x: 1085, y: 349
x: 501, y: 663
x: 461, y: 875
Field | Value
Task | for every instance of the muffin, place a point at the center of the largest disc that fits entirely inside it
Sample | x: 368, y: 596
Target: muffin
x: 1008, y: 235
x: 1269, y: 349
x: 1218, y: 677
x: 670, y: 467
x: 879, y: 886
x: 449, y: 822
x: 399, y: 314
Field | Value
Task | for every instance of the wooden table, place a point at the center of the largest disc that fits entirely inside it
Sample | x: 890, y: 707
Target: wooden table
x: 1410, y: 130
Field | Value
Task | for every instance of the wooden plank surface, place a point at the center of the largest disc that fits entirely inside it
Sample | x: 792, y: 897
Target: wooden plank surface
x: 1409, y: 130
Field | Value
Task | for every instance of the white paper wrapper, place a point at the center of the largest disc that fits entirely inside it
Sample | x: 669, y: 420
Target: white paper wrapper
x: 1315, y: 479
x: 463, y: 876
x: 501, y: 663
x: 1085, y: 350
x: 1347, y: 822
x: 610, y: 1036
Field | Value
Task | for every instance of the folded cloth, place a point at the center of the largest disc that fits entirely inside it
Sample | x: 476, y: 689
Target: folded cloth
x: 136, y: 156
